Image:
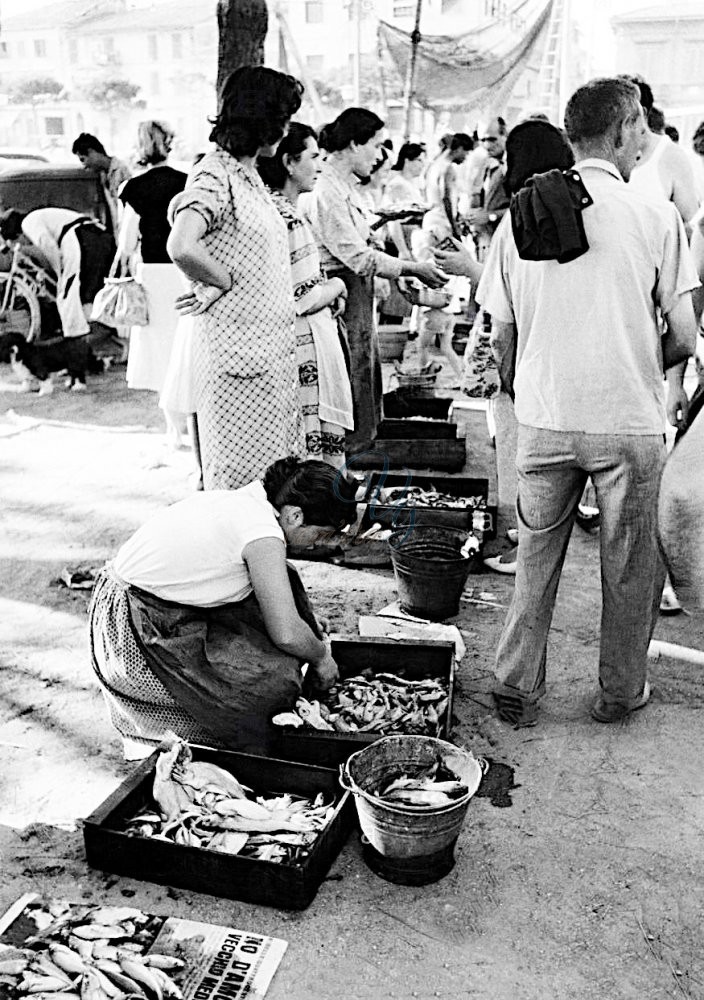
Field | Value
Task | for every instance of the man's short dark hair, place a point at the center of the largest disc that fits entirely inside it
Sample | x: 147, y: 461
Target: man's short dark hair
x: 646, y: 94
x: 672, y: 132
x: 698, y: 140
x: 461, y: 140
x: 594, y: 108
x: 85, y: 142
x: 656, y: 120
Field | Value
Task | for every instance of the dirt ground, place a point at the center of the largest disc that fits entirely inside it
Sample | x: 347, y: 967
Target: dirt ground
x: 586, y: 887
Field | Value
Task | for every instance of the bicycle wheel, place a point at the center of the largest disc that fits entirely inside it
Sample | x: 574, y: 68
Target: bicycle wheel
x: 19, y: 309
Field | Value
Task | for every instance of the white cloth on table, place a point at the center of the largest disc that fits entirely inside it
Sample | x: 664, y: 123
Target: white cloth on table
x: 191, y: 552
x: 150, y: 346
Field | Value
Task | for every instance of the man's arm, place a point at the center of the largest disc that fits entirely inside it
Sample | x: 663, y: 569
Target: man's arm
x: 679, y: 339
x: 503, y: 347
x: 448, y: 199
x: 684, y: 189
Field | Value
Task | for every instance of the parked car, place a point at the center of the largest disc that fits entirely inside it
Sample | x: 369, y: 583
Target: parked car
x: 39, y: 184
x: 12, y: 153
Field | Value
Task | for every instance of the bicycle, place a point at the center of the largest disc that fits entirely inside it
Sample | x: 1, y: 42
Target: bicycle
x: 21, y: 289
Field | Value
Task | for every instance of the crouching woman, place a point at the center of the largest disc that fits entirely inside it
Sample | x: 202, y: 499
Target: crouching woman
x: 199, y: 625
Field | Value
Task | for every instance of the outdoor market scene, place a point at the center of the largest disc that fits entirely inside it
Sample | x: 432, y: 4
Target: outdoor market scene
x: 352, y: 465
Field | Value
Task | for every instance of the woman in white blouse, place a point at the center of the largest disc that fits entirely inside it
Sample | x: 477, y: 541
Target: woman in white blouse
x: 199, y: 626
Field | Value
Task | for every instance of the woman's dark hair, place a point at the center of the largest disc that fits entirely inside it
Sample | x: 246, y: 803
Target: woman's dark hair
x: 256, y: 104
x: 409, y: 151
x: 534, y: 147
x: 323, y: 137
x: 353, y: 125
x: 323, y: 493
x: 11, y: 224
x: 272, y: 168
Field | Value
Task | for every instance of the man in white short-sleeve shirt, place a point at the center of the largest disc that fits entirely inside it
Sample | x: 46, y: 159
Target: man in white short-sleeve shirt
x: 580, y: 345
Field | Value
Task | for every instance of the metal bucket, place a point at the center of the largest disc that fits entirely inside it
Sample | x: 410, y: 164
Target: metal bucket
x: 406, y: 845
x: 430, y: 570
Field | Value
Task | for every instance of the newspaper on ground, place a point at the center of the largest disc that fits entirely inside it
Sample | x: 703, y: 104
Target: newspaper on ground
x: 62, y: 949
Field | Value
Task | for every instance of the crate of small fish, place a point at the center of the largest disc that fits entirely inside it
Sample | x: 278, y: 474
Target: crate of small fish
x: 251, y: 828
x: 403, y: 405
x: 386, y: 687
x: 396, y: 500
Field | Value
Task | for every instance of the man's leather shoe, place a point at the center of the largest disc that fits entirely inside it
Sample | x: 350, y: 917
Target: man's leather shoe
x: 609, y: 712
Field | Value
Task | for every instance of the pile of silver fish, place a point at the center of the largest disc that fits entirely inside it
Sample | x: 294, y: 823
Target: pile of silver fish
x: 450, y: 778
x: 198, y: 804
x: 414, y: 496
x: 378, y: 703
x: 102, y: 959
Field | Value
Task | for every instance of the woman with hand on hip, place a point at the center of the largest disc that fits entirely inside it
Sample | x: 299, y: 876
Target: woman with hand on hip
x: 232, y: 244
x: 144, y: 232
x: 324, y: 385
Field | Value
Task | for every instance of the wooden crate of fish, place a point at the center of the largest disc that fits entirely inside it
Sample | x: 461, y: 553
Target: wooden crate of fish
x: 415, y: 429
x: 404, y: 405
x: 386, y: 686
x: 196, y: 825
x: 448, y: 455
x: 456, y: 502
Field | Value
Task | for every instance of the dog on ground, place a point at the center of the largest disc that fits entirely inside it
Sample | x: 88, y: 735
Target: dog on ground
x: 36, y: 362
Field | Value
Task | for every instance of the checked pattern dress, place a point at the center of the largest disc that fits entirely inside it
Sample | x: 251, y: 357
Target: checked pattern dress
x: 246, y: 373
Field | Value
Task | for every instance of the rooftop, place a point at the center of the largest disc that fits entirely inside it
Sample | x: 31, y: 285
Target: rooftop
x: 58, y: 15
x: 158, y: 17
x: 663, y: 12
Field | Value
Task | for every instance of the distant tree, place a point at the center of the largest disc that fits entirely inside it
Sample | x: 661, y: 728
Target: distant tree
x: 108, y: 94
x: 242, y: 27
x: 34, y: 89
x: 114, y: 96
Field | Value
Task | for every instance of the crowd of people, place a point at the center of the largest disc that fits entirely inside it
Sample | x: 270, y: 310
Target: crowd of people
x: 263, y: 268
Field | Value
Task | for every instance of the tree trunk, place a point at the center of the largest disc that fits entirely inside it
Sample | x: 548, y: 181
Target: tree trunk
x: 242, y: 26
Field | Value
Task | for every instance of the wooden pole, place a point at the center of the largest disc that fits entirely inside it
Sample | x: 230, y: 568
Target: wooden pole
x: 411, y: 74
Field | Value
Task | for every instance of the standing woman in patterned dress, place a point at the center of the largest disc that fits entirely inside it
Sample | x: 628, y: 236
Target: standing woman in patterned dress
x: 326, y: 395
x: 230, y: 241
x: 341, y: 224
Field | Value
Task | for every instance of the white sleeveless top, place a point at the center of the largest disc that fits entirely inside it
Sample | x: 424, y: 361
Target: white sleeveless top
x: 647, y: 177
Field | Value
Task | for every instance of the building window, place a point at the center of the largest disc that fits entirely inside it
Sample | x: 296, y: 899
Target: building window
x: 693, y: 61
x: 402, y: 8
x: 652, y: 59
x: 108, y: 45
x: 72, y: 51
x: 177, y: 45
x: 314, y: 11
x: 54, y: 126
x: 20, y: 49
x: 3, y: 50
x: 155, y: 84
x: 152, y: 47
x: 316, y: 64
x: 40, y: 48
